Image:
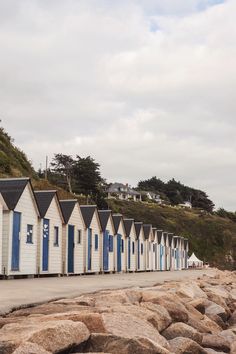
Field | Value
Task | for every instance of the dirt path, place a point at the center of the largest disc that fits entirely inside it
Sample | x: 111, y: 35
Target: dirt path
x: 21, y: 292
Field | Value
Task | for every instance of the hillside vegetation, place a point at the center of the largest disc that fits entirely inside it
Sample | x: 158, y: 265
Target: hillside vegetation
x: 212, y: 238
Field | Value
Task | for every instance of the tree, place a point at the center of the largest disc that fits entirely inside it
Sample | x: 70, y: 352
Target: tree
x: 64, y: 166
x: 153, y: 184
x: 87, y: 177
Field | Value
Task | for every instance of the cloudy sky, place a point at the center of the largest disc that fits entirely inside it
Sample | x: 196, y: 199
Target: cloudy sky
x: 146, y: 87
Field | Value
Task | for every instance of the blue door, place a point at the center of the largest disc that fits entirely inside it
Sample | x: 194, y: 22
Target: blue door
x: 106, y: 250
x: 129, y: 250
x: 161, y: 253
x: 89, y: 249
x: 119, y: 247
x: 71, y: 245
x: 45, y: 244
x: 138, y: 250
x: 15, y: 259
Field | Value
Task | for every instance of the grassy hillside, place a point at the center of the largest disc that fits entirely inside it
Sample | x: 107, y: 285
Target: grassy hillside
x: 213, y: 238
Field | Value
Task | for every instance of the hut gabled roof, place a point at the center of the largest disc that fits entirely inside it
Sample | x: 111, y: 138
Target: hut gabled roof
x: 67, y: 207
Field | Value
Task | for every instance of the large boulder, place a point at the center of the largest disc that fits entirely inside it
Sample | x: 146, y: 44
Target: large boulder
x: 199, y: 304
x: 229, y: 335
x: 162, y: 318
x: 215, y: 309
x: 183, y: 345
x: 30, y: 348
x: 53, y: 336
x: 180, y: 329
x: 115, y: 344
x: 7, y: 346
x: 213, y: 327
x: 232, y: 319
x: 128, y: 326
x: 216, y: 342
x: 190, y: 290
x: 198, y: 325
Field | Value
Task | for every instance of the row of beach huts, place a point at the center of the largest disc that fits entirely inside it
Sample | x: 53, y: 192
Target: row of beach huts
x: 42, y: 235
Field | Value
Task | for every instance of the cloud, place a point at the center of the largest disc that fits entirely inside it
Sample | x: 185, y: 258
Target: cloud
x: 145, y: 87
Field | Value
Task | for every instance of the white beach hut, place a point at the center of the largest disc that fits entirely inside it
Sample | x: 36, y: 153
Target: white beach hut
x: 160, y: 241
x: 72, y: 237
x: 186, y: 249
x: 119, y: 243
x: 166, y: 251
x: 19, y: 227
x: 147, y: 229
x: 2, y: 206
x: 171, y: 251
x: 108, y: 233
x: 194, y: 262
x: 140, y: 249
x: 93, y: 239
x: 154, y: 249
x: 49, y: 232
x: 130, y: 244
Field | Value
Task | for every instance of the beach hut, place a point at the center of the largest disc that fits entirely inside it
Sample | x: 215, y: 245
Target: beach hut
x: 72, y: 237
x: 165, y: 251
x: 93, y: 239
x: 160, y: 242
x: 140, y: 249
x: 194, y: 262
x: 108, y: 233
x: 186, y: 249
x: 147, y: 229
x: 19, y: 227
x: 176, y: 252
x: 171, y: 250
x: 130, y: 244
x: 181, y: 253
x: 2, y: 206
x: 154, y: 249
x: 119, y: 243
x: 49, y: 232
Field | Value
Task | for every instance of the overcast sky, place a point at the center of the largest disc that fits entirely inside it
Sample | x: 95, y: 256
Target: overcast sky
x: 146, y: 87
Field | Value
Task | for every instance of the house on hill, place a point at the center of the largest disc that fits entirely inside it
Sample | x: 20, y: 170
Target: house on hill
x: 49, y: 232
x: 123, y: 192
x: 19, y: 227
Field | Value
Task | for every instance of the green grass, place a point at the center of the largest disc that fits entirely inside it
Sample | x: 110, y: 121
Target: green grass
x: 211, y: 237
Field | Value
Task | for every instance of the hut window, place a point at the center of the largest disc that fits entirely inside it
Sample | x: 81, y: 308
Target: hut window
x: 133, y: 247
x: 122, y: 246
x: 56, y: 236
x: 29, y: 236
x: 110, y: 243
x: 141, y: 248
x: 96, y: 242
x: 79, y: 237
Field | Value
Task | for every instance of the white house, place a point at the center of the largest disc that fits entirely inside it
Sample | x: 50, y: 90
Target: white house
x: 72, y: 237
x: 119, y: 243
x: 141, y: 247
x: 130, y: 244
x: 49, y: 232
x: 93, y: 239
x: 19, y: 227
x: 123, y: 192
x: 186, y: 204
x: 147, y: 229
x: 108, y: 234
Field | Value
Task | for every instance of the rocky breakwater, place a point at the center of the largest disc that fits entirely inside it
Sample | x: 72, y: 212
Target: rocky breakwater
x: 176, y: 317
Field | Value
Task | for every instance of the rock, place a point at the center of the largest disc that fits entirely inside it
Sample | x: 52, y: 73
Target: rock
x: 229, y: 335
x: 199, y: 304
x: 47, y: 309
x: 191, y: 290
x: 162, y: 320
x: 212, y: 351
x: 128, y: 326
x: 233, y: 348
x: 212, y: 325
x: 232, y: 319
x: 217, y: 342
x: 214, y: 309
x: 217, y: 319
x: 198, y: 325
x: 180, y: 329
x: 7, y: 320
x: 7, y: 346
x: 116, y: 344
x: 30, y: 348
x: 109, y: 298
x: 53, y: 336
x: 84, y: 300
x: 193, y: 312
x: 182, y: 345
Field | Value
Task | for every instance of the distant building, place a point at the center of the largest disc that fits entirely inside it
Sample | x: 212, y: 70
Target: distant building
x: 152, y: 196
x: 185, y: 205
x: 123, y: 192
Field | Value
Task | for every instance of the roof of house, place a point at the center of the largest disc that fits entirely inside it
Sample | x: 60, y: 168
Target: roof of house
x: 12, y: 189
x: 147, y: 229
x: 159, y: 236
x: 87, y: 213
x: 170, y: 237
x: 67, y: 207
x: 44, y: 199
x: 138, y: 227
x: 117, y: 218
x: 104, y: 216
x: 128, y: 225
x: 176, y: 238
x: 116, y: 188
